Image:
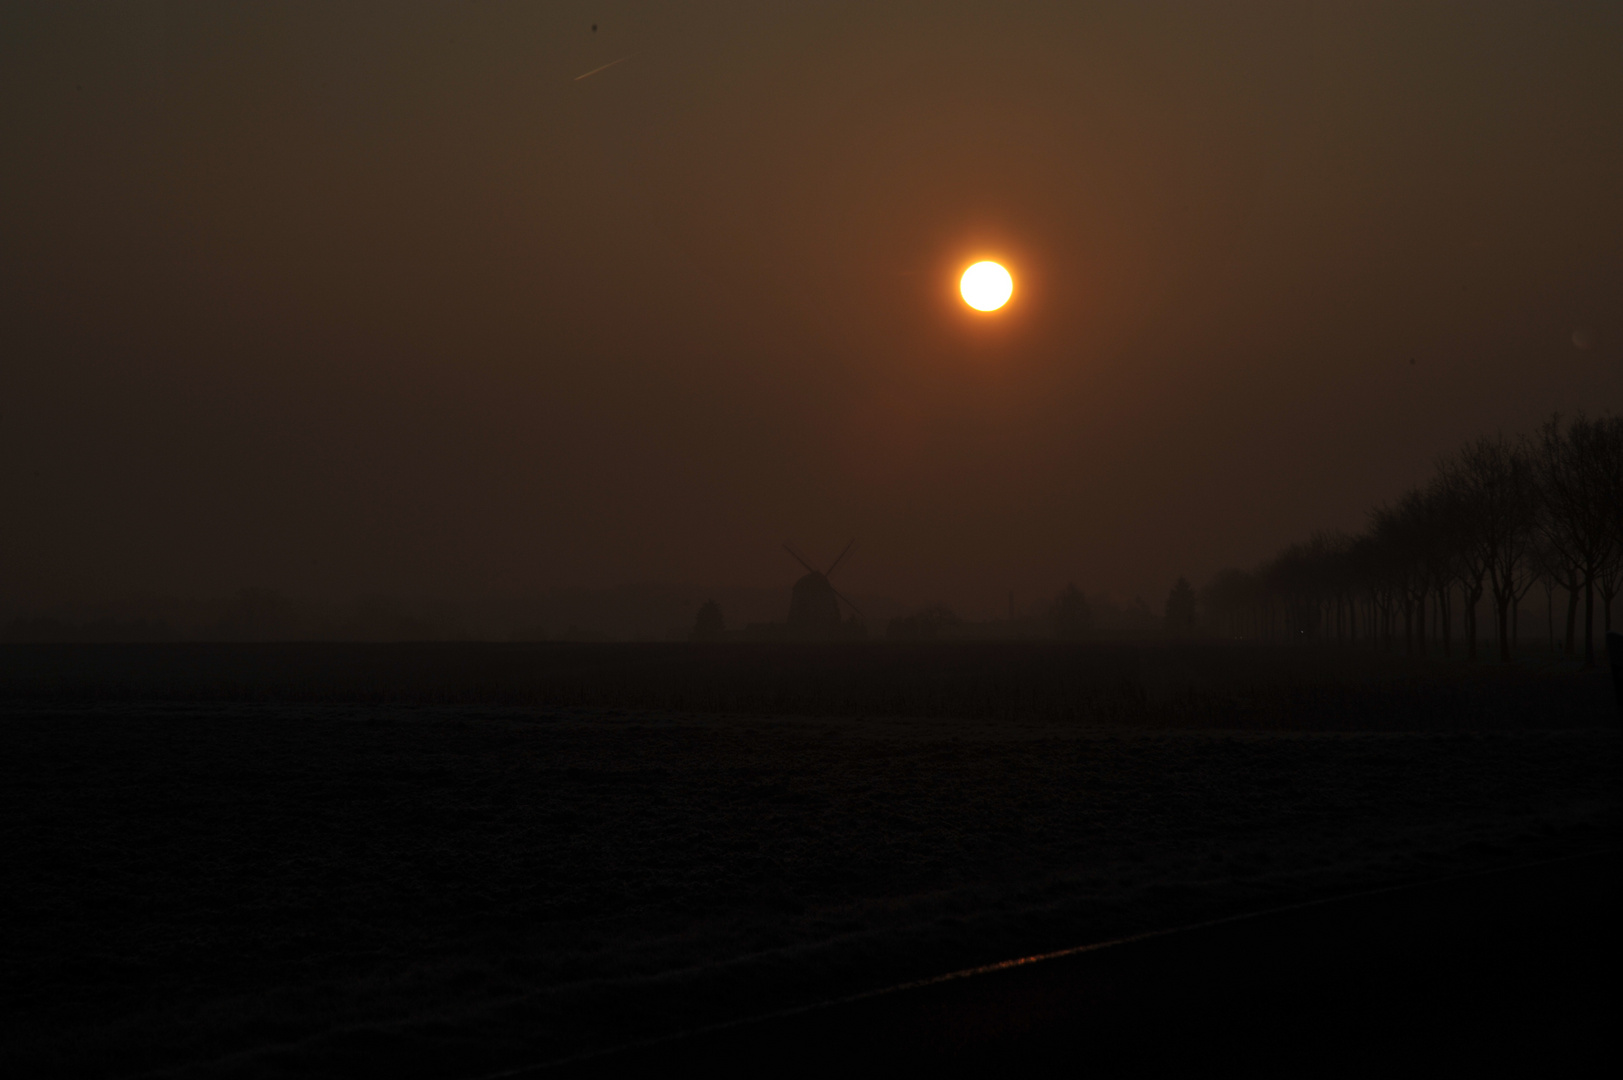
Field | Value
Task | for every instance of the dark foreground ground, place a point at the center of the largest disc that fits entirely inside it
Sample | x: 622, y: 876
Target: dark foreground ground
x: 267, y: 884
x: 1506, y: 972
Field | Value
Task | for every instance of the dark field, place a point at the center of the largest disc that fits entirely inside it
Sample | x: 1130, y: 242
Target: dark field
x: 1140, y: 686
x: 449, y: 860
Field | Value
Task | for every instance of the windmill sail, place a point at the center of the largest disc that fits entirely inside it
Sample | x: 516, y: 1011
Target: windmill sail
x: 814, y: 604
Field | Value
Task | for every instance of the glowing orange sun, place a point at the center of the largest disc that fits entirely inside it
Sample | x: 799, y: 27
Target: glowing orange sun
x: 986, y: 286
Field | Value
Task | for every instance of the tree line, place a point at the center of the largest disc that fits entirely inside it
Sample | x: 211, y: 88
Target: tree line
x: 1500, y: 517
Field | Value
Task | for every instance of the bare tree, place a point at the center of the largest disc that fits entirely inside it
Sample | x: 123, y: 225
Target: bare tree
x: 1473, y: 540
x: 1545, y: 561
x: 1607, y: 580
x: 1497, y: 480
x: 1500, y: 515
x: 1070, y: 614
x: 1231, y: 600
x: 1181, y: 608
x: 708, y: 624
x: 1606, y: 459
x: 1578, y: 521
x: 1437, y: 527
x: 1407, y: 532
x: 1370, y: 566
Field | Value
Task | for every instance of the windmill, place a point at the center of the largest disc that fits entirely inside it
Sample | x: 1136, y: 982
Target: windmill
x: 814, y: 606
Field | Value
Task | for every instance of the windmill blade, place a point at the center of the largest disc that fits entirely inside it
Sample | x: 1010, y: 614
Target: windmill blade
x: 847, y: 600
x: 809, y: 568
x: 841, y: 559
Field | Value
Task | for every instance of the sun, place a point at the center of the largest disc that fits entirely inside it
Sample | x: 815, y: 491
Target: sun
x: 986, y: 286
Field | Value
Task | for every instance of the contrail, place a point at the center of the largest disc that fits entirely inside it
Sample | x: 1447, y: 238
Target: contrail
x: 605, y: 67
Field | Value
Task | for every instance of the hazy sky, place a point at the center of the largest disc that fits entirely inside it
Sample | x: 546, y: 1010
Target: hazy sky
x: 340, y: 297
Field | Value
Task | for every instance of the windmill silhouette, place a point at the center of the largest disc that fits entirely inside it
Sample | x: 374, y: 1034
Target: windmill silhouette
x: 814, y: 606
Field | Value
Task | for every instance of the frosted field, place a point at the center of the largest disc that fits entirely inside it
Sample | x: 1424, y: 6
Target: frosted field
x: 259, y: 889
